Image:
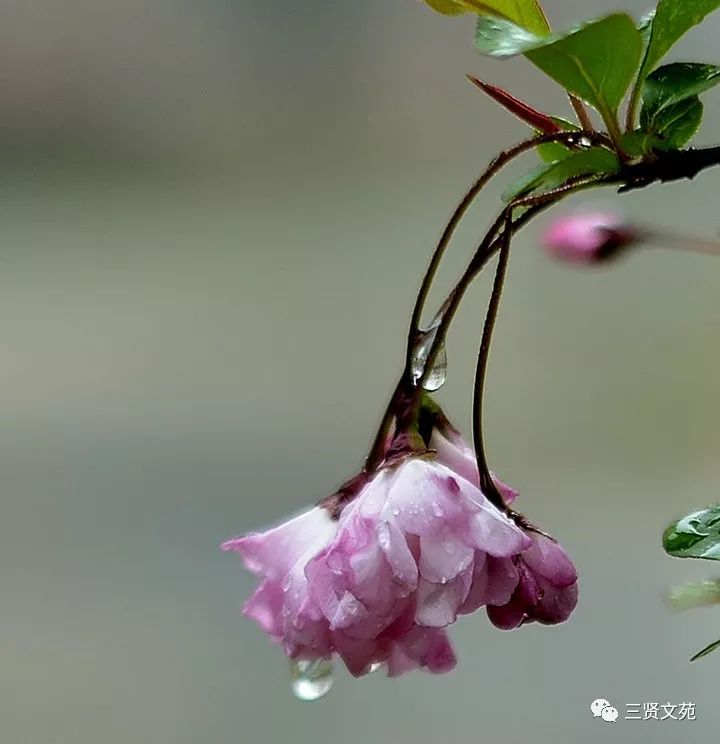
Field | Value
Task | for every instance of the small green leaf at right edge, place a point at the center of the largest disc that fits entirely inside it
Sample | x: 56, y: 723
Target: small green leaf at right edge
x: 674, y: 83
x: 694, y: 594
x: 590, y: 162
x: 695, y: 536
x: 672, y: 20
x: 596, y: 62
x: 707, y: 650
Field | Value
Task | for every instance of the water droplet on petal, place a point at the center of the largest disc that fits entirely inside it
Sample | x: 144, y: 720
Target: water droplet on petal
x: 311, y: 678
x: 437, y: 375
x: 376, y: 666
x: 437, y: 509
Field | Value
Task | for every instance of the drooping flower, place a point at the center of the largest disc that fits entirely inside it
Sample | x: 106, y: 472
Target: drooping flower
x: 408, y: 547
x: 377, y: 571
x: 415, y: 547
x: 589, y: 238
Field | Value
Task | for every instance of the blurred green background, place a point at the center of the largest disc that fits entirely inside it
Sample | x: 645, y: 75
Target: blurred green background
x: 214, y: 218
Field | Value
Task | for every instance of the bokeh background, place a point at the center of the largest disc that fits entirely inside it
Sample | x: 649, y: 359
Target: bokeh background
x: 214, y: 217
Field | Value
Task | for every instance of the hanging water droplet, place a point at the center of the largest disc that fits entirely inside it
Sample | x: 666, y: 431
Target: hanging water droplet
x: 585, y: 142
x: 375, y: 666
x: 311, y: 678
x: 437, y: 375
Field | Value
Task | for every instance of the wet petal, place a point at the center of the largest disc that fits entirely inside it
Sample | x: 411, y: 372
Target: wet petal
x: 274, y: 552
x: 443, y: 556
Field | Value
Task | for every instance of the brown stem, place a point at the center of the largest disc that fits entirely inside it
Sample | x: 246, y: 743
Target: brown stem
x: 487, y: 486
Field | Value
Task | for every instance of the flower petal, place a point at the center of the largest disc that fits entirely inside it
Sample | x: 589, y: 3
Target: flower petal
x: 274, y: 552
x: 398, y: 555
x: 438, y: 604
x: 556, y: 605
x: 443, y: 556
x: 429, y: 648
x: 548, y: 559
x: 265, y: 608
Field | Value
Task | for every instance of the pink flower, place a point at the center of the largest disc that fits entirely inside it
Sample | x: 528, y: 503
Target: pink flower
x: 588, y: 238
x: 418, y: 545
x: 546, y: 589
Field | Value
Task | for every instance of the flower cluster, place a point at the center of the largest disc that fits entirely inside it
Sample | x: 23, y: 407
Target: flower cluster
x: 418, y: 545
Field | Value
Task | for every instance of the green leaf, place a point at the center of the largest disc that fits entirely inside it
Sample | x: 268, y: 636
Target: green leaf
x: 672, y: 84
x: 695, y: 536
x: 695, y: 594
x: 525, y: 13
x: 673, y: 19
x: 707, y: 650
x: 645, y: 27
x: 448, y: 7
x: 590, y: 162
x: 676, y: 125
x: 496, y: 37
x: 596, y: 62
x: 551, y: 152
x: 638, y: 142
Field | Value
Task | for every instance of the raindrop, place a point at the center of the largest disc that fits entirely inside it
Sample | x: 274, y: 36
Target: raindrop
x: 311, y: 678
x: 375, y: 666
x: 437, y: 374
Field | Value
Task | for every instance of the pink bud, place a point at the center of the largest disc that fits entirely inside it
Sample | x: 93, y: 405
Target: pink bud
x: 588, y: 238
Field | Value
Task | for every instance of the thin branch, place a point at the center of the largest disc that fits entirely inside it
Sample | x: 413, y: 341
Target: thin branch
x: 487, y: 248
x: 670, y: 166
x: 487, y: 485
x: 497, y: 164
x: 674, y: 165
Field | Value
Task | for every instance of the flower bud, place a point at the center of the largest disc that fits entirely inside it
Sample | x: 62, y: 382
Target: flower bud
x: 589, y: 238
